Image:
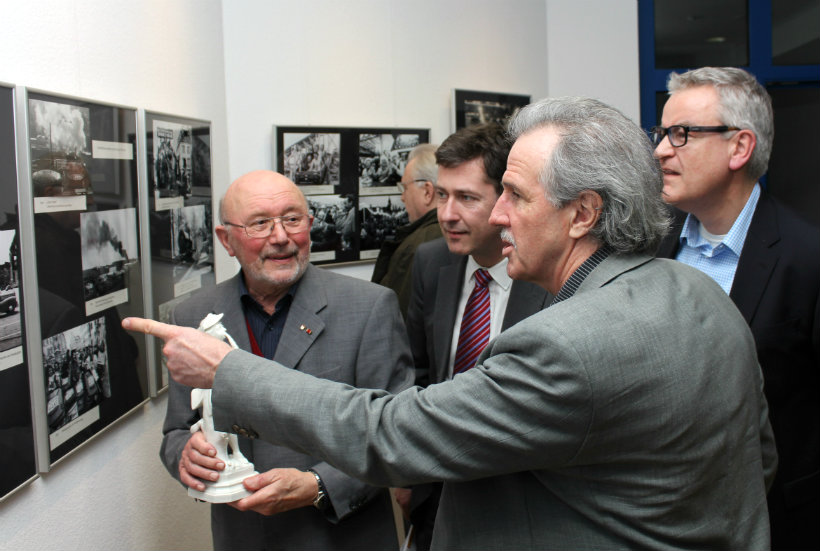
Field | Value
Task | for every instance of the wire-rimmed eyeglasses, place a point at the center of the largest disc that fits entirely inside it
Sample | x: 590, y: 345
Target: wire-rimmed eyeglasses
x: 403, y: 185
x: 259, y: 229
x: 678, y: 134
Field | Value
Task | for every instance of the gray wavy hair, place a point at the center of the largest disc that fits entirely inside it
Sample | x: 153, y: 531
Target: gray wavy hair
x: 426, y: 168
x: 743, y: 103
x: 603, y: 151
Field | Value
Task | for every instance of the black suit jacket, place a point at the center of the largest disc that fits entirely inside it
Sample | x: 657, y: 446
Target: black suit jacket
x: 776, y: 288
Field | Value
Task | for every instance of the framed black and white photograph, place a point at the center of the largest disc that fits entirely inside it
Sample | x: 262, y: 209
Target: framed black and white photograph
x: 11, y: 330
x: 382, y: 158
x: 77, y: 379
x: 379, y: 218
x: 191, y: 246
x: 472, y: 107
x: 60, y: 153
x: 17, y: 464
x: 109, y: 251
x: 88, y: 266
x: 172, y: 165
x: 312, y: 160
x: 334, y: 232
x: 342, y: 170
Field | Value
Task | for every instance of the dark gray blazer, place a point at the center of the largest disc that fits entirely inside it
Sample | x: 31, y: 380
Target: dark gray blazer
x: 358, y: 338
x: 438, y: 276
x: 628, y: 416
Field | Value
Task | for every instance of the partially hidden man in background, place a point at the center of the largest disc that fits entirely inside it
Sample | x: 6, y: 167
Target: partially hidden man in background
x: 628, y: 414
x: 281, y: 307
x: 395, y: 260
x: 713, y: 148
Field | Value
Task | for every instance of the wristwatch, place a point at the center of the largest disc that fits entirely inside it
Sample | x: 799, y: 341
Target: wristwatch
x: 321, y: 500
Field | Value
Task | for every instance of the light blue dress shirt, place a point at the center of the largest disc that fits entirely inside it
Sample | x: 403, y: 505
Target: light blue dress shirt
x: 718, y: 262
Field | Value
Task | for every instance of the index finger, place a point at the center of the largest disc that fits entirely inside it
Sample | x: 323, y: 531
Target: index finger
x: 150, y: 327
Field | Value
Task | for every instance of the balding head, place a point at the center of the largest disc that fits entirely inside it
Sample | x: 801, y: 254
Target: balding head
x: 270, y: 264
x: 247, y: 185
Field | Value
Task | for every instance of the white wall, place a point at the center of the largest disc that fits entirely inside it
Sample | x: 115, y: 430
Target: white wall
x: 592, y: 50
x: 166, y: 57
x: 312, y: 62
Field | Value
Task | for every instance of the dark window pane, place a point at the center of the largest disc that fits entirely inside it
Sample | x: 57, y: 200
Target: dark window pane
x: 796, y: 32
x: 701, y: 32
x: 794, y: 163
x: 660, y: 101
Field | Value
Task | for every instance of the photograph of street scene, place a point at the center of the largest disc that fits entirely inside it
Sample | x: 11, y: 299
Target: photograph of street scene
x: 76, y: 369
x: 10, y: 331
x: 109, y: 248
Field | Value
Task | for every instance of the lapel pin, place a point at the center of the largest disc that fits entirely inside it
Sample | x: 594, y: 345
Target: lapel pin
x: 305, y: 329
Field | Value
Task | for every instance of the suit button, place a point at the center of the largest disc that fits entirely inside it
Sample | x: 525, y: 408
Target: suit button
x: 235, y: 428
x: 252, y: 434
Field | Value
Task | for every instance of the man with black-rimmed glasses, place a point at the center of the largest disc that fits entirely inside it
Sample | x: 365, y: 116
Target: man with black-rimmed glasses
x: 713, y: 147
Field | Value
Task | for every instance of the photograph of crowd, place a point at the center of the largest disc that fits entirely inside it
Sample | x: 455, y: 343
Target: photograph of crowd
x: 312, y: 160
x: 172, y: 167
x: 191, y: 242
x: 109, y: 248
x: 334, y: 223
x: 382, y: 158
x: 379, y: 218
x: 76, y: 369
x: 60, y: 150
x: 360, y: 206
x: 472, y: 107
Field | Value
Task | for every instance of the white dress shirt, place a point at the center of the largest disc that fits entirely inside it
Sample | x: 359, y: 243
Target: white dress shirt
x: 499, y: 288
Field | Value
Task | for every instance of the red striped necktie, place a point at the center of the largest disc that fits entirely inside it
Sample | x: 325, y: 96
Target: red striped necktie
x: 475, y: 324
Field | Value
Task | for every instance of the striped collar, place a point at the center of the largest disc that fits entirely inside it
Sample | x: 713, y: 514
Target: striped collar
x: 578, y: 276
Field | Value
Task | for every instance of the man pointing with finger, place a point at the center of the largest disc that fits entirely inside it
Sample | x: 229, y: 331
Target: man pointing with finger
x: 281, y: 307
x: 592, y: 424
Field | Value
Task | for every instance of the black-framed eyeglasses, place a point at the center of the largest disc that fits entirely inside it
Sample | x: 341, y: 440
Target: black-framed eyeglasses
x: 678, y: 134
x: 259, y: 229
x: 403, y: 185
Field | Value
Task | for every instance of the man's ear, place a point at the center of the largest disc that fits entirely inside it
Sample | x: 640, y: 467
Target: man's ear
x: 429, y: 194
x: 743, y: 144
x: 586, y: 209
x: 222, y: 235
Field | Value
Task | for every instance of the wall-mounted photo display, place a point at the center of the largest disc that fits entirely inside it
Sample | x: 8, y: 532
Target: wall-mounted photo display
x: 180, y: 212
x: 17, y: 459
x: 82, y: 172
x: 349, y: 176
x: 471, y: 107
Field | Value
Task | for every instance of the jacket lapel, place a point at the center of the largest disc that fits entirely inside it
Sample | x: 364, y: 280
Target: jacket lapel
x: 303, y: 325
x: 450, y: 279
x: 757, y: 259
x: 230, y: 305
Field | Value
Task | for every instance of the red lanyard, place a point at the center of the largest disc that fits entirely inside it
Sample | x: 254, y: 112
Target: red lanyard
x: 254, y: 346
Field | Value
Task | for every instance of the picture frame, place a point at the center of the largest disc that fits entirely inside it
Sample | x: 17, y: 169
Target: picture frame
x: 18, y: 465
x: 349, y: 177
x: 473, y: 107
x: 176, y: 166
x: 79, y: 196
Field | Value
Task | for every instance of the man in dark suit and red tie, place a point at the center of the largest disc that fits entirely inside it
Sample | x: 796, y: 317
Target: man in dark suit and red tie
x: 462, y: 296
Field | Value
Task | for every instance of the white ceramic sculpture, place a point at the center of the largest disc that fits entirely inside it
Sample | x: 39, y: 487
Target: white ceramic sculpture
x: 237, y: 468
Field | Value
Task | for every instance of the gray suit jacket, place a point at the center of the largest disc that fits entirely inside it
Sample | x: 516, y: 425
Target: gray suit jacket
x: 438, y: 276
x: 629, y: 416
x: 358, y: 338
